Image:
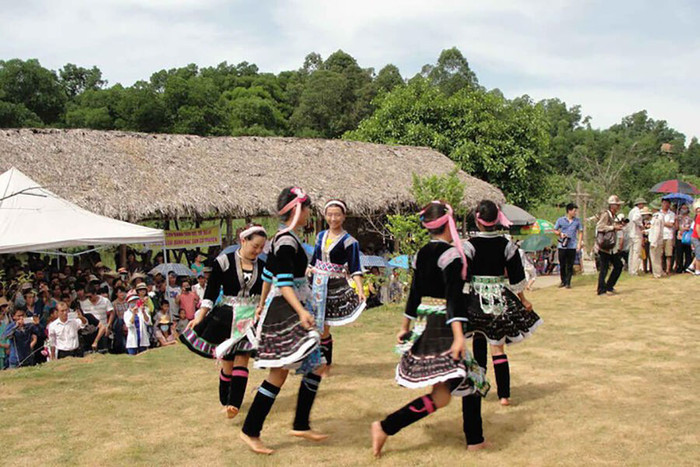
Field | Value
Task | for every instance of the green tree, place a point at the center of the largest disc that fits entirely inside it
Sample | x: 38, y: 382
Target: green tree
x: 28, y: 84
x: 76, y: 80
x: 451, y: 73
x: 406, y: 228
x: 253, y: 111
x: 503, y: 142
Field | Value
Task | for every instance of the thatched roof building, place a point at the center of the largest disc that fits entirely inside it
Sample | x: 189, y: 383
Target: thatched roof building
x: 135, y: 176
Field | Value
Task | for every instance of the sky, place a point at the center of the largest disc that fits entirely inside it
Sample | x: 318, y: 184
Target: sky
x: 612, y: 57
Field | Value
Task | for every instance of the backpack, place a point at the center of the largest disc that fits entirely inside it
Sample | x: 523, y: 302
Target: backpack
x: 606, y: 240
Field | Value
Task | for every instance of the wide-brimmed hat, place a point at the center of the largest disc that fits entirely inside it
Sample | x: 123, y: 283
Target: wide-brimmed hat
x: 164, y: 319
x: 100, y: 265
x: 4, y: 302
x: 640, y: 201
x: 645, y: 211
x: 112, y: 274
x: 93, y: 278
x: 656, y: 204
x: 26, y: 285
x: 614, y: 199
x: 141, y: 286
x: 131, y: 296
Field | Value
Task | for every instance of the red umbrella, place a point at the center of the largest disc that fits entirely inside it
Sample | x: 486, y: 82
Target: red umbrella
x: 674, y: 186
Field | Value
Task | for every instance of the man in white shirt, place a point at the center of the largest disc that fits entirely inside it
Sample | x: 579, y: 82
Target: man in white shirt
x: 669, y: 222
x: 171, y: 292
x: 63, y: 333
x: 102, y: 312
x: 200, y: 286
x: 636, y: 235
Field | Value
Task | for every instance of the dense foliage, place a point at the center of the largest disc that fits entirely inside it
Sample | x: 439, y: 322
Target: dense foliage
x: 535, y: 152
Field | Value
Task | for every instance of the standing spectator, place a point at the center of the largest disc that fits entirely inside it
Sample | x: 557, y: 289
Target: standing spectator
x: 101, y: 310
x: 142, y: 291
x: 172, y: 290
x: 197, y: 266
x: 187, y: 300
x: 570, y: 232
x: 656, y: 241
x: 119, y: 326
x: 684, y: 254
x: 636, y: 233
x: 5, y: 321
x: 669, y: 223
x: 695, y: 237
x: 22, y: 340
x: 606, y: 236
x: 33, y: 306
x: 137, y: 321
x: 200, y: 286
x: 624, y: 241
x: 63, y: 333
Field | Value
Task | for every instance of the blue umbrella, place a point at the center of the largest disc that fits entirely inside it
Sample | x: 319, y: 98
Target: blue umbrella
x: 177, y: 268
x: 368, y: 261
x: 679, y: 197
x: 400, y: 261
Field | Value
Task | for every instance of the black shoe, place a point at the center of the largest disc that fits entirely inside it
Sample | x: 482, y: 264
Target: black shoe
x: 562, y: 285
x: 568, y: 286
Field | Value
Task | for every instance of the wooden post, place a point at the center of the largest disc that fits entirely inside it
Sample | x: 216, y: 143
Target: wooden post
x: 122, y: 256
x: 229, y: 231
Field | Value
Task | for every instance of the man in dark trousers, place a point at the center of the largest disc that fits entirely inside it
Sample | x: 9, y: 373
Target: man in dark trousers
x: 570, y: 232
x: 606, y: 241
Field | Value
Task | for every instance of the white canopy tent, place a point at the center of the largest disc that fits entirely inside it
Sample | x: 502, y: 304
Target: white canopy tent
x: 33, y: 218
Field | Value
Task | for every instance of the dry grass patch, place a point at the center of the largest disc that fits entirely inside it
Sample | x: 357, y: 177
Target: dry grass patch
x: 606, y: 380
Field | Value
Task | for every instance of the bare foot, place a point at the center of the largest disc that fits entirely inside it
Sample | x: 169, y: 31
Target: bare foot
x: 255, y: 445
x: 309, y: 435
x: 231, y: 411
x: 378, y: 438
x: 505, y: 401
x: 478, y: 447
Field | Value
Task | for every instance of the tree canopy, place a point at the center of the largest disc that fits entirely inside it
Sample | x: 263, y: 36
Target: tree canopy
x: 534, y: 151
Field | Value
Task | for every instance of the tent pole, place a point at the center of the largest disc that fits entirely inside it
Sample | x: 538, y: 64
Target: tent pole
x: 122, y: 254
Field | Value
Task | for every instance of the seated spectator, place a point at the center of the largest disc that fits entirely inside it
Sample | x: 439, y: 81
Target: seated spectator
x: 187, y: 300
x: 63, y: 333
x: 137, y: 321
x: 22, y: 340
x: 164, y: 330
x: 182, y: 323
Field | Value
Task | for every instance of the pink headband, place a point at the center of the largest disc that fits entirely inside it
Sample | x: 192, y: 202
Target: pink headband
x: 251, y: 230
x: 500, y: 219
x: 296, y: 204
x: 449, y: 219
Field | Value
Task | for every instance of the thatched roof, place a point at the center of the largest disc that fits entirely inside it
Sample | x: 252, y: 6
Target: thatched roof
x: 135, y: 176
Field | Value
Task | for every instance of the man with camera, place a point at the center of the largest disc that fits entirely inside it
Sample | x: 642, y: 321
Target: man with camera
x: 570, y: 232
x: 606, y: 244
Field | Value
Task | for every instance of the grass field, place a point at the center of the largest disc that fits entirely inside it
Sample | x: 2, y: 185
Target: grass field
x: 606, y: 380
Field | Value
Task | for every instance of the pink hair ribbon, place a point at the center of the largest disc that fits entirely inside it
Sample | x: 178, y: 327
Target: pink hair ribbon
x: 500, y: 219
x: 450, y: 220
x: 296, y: 204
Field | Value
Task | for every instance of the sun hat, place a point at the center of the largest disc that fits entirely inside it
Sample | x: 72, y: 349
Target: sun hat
x: 131, y: 296
x: 640, y: 201
x: 141, y: 286
x: 614, y: 199
x: 4, y: 302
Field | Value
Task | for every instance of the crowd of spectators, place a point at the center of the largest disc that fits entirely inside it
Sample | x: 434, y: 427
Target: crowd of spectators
x: 51, y: 310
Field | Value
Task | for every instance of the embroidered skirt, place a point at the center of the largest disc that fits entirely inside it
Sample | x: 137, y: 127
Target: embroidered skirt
x: 343, y: 305
x: 428, y: 360
x: 499, y: 315
x: 282, y: 340
x: 214, y: 329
